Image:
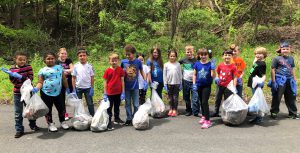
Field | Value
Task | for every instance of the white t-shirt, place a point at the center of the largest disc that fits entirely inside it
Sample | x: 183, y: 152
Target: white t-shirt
x: 83, y: 74
x: 172, y: 73
x: 141, y: 80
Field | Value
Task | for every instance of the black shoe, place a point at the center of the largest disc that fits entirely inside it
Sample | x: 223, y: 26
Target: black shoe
x: 128, y: 122
x: 19, y: 134
x: 35, y: 128
x: 188, y: 114
x: 256, y: 120
x: 274, y: 116
x: 110, y: 126
x: 215, y: 115
x: 119, y: 121
x: 293, y: 116
x: 196, y: 115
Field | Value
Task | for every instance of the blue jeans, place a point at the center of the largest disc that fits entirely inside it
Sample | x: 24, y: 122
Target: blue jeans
x: 239, y: 89
x: 187, y: 91
x: 88, y: 98
x: 131, y: 95
x: 18, y: 106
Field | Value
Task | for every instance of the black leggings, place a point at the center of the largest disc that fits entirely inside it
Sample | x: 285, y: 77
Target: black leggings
x: 114, y: 101
x: 203, y: 95
x: 173, y: 95
x: 57, y: 101
x: 221, y: 91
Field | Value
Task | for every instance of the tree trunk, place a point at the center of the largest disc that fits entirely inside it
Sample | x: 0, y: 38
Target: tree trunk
x: 76, y: 22
x: 17, y: 15
x: 57, y: 24
x: 174, y: 6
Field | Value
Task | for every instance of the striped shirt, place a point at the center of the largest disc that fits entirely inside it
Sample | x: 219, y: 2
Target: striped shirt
x: 26, y: 72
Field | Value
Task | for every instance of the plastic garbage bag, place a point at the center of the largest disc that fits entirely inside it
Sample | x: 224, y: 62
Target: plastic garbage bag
x: 81, y: 120
x: 35, y: 108
x: 26, y: 90
x: 72, y: 100
x: 141, y: 117
x: 258, y: 104
x: 101, y: 118
x: 256, y: 80
x: 234, y: 110
x: 158, y: 106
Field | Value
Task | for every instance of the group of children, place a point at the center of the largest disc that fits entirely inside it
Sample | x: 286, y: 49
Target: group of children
x: 129, y: 81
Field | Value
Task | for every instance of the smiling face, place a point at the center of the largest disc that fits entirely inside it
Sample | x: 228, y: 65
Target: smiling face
x: 63, y: 55
x: 114, y: 62
x: 49, y: 60
x: 172, y: 57
x: 129, y: 56
x: 227, y: 58
x: 259, y: 56
x: 155, y: 54
x: 285, y: 51
x: 20, y: 60
x: 141, y: 58
x: 82, y: 57
x: 189, y: 52
x: 203, y: 57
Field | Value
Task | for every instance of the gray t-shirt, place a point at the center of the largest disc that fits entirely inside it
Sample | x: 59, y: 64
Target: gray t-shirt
x: 283, y: 65
x: 188, y: 68
x: 172, y: 73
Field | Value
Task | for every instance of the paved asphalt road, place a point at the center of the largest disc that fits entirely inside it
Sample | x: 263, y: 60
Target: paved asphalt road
x: 180, y: 134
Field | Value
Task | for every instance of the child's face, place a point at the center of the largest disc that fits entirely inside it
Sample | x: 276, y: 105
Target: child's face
x: 63, y: 54
x: 82, y: 58
x: 114, y: 62
x: 285, y: 51
x: 259, y: 56
x: 141, y: 59
x: 21, y: 60
x: 172, y: 57
x: 189, y: 53
x: 236, y: 52
x: 155, y: 54
x: 203, y: 56
x: 227, y: 58
x: 129, y: 56
x: 50, y: 60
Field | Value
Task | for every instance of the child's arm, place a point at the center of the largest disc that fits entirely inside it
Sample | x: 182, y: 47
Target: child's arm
x: 194, y: 76
x: 39, y: 85
x: 73, y: 81
x: 123, y: 84
x: 213, y: 73
x: 71, y: 68
x: 165, y: 74
x: 92, y: 81
x: 273, y: 74
x: 105, y: 85
x: 149, y: 75
x: 143, y: 74
x: 293, y: 73
x: 64, y: 80
x: 235, y: 81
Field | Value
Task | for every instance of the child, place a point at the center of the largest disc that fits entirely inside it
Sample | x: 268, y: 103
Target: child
x: 114, y: 89
x: 50, y: 82
x: 284, y: 82
x: 203, y: 76
x: 146, y: 70
x: 17, y: 75
x: 155, y: 64
x: 83, y: 79
x: 258, y: 69
x: 241, y: 66
x: 188, y: 64
x: 172, y: 81
x: 132, y: 66
x: 226, y: 72
x: 67, y: 64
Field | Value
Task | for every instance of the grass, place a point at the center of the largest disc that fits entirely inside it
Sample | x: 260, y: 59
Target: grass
x: 100, y: 63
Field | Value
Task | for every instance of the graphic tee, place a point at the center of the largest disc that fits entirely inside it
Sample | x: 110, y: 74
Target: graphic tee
x: 283, y: 65
x: 131, y: 69
x: 240, y: 65
x: 52, y: 80
x: 203, y: 77
x: 226, y: 73
x: 156, y: 72
x: 188, y: 68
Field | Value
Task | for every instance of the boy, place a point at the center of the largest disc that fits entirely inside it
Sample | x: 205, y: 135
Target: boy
x: 241, y: 66
x: 132, y: 66
x: 226, y: 72
x: 114, y: 89
x: 188, y: 63
x: 83, y: 79
x: 283, y: 82
x: 18, y: 74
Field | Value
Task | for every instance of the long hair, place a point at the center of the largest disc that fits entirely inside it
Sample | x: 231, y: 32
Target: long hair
x: 159, y: 58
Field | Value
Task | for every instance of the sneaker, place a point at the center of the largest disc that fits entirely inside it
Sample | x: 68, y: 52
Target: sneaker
x: 119, y: 121
x: 51, y: 127
x: 196, y: 115
x: 274, y: 116
x: 64, y: 125
x: 66, y: 116
x: 201, y: 121
x: 188, y: 114
x: 174, y: 113
x: 35, y: 128
x: 207, y: 124
x: 256, y: 120
x: 170, y: 112
x: 293, y: 116
x: 110, y: 127
x: 128, y: 122
x: 19, y: 134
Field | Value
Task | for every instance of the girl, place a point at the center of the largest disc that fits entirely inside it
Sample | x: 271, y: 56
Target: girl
x: 146, y: 70
x: 17, y: 75
x: 172, y: 80
x: 155, y: 64
x: 50, y: 81
x: 202, y: 80
x: 67, y: 64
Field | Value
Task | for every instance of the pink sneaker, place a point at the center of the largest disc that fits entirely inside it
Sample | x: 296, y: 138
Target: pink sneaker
x: 66, y: 116
x: 206, y: 124
x: 201, y: 121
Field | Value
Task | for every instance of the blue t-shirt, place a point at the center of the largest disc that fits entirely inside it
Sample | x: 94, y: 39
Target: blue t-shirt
x: 283, y: 65
x: 52, y: 80
x: 203, y: 74
x: 156, y: 72
x: 131, y: 68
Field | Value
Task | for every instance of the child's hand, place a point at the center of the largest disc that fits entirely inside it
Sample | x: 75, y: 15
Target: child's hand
x: 239, y: 81
x: 213, y: 64
x: 195, y: 87
x: 145, y: 85
x: 13, y: 74
x: 180, y: 87
x: 91, y: 92
x: 105, y: 97
x: 122, y: 96
x: 217, y: 81
x: 35, y: 90
x: 261, y: 85
x: 166, y: 88
x: 274, y: 86
x: 67, y: 91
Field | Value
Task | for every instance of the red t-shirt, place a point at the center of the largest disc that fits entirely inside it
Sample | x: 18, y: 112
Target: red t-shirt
x: 113, y: 80
x: 226, y: 73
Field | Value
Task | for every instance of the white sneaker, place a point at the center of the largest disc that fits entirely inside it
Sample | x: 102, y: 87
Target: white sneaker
x: 52, y: 128
x: 64, y: 125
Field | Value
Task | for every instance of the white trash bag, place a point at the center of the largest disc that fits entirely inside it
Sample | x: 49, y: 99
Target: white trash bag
x: 35, y: 108
x: 158, y: 106
x: 101, y: 118
x: 81, y: 120
x: 141, y: 117
x: 26, y: 90
x: 234, y: 110
x: 72, y: 100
